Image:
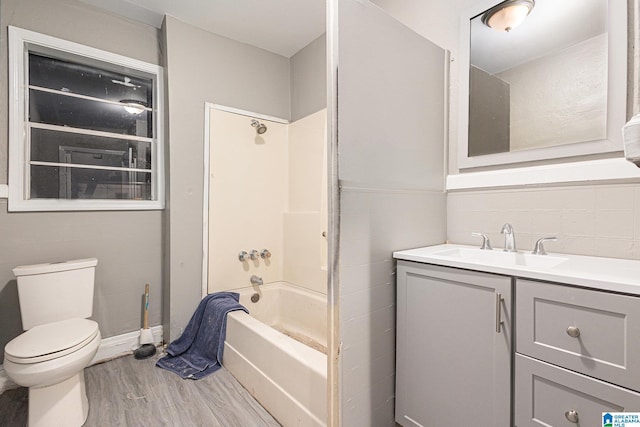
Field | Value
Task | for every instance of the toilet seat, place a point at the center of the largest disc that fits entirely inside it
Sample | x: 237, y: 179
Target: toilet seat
x: 51, y: 340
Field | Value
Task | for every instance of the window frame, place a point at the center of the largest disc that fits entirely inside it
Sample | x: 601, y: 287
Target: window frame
x: 21, y: 42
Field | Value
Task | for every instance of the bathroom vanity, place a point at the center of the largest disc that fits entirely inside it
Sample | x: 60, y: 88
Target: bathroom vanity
x: 490, y: 338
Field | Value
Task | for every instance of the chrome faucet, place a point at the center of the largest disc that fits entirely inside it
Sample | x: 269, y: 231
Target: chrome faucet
x: 256, y: 281
x: 509, y: 238
x: 539, y: 248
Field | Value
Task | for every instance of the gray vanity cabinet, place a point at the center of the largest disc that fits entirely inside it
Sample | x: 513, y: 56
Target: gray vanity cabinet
x: 454, y: 347
x: 577, y: 354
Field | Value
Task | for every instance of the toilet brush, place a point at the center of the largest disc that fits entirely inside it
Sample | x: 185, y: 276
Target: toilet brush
x: 147, y: 347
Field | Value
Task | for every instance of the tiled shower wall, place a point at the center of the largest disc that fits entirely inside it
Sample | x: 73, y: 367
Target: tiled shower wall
x: 374, y: 223
x: 598, y: 220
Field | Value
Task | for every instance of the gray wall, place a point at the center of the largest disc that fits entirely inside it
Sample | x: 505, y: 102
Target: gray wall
x: 396, y: 115
x: 204, y: 67
x: 309, y: 79
x: 488, y: 113
x: 128, y: 245
x: 391, y: 112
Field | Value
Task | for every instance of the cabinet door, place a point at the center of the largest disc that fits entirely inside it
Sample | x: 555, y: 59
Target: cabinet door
x: 547, y: 395
x: 452, y: 365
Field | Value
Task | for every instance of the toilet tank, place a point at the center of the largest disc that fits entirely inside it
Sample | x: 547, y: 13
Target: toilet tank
x: 55, y: 291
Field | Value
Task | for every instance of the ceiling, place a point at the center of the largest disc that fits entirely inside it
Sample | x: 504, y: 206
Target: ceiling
x: 279, y: 26
x: 551, y: 26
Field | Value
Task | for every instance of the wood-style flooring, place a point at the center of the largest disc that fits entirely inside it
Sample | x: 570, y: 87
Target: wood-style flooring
x: 129, y: 392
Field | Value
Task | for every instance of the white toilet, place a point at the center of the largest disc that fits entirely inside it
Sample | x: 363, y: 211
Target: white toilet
x: 59, y: 342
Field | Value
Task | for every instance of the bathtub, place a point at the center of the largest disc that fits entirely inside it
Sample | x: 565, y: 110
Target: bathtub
x: 287, y: 376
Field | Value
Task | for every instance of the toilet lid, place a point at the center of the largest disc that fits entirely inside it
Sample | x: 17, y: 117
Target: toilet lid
x: 51, y: 340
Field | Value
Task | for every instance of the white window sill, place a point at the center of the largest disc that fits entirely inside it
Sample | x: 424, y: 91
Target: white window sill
x: 593, y: 170
x: 44, y: 205
x: 4, y: 191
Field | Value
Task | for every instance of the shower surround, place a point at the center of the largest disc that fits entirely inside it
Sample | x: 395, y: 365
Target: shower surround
x: 267, y: 193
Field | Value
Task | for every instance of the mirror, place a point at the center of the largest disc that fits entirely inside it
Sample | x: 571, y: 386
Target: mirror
x: 552, y: 87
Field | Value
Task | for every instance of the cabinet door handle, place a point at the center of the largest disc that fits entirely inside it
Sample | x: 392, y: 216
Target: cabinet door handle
x: 499, y: 300
x: 573, y: 331
x: 572, y: 416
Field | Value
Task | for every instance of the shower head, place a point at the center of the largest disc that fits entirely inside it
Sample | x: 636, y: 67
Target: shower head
x: 260, y: 127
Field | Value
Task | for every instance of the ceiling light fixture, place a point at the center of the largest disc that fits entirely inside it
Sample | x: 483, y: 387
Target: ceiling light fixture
x: 508, y: 14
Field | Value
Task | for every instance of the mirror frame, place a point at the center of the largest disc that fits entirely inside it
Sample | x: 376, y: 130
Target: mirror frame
x: 616, y: 97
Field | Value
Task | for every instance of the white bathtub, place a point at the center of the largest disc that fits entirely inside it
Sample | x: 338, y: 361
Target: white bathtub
x: 287, y: 377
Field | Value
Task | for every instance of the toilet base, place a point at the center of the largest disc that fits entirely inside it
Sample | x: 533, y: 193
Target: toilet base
x: 64, y: 404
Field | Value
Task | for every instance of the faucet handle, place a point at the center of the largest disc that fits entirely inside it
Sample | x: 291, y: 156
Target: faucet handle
x: 539, y: 247
x: 265, y: 253
x: 486, y: 244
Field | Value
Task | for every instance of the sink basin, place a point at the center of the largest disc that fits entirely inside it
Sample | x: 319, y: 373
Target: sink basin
x: 500, y: 258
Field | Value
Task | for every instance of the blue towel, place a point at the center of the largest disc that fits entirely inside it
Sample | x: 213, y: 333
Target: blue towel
x: 198, y: 351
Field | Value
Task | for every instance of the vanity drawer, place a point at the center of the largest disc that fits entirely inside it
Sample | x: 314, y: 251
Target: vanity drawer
x: 595, y: 333
x: 545, y: 394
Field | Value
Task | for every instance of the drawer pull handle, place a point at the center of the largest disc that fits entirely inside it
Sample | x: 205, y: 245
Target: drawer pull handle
x: 499, y: 321
x: 572, y: 416
x: 573, y: 331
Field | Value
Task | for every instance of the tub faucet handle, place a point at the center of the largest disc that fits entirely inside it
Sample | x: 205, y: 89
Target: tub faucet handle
x: 265, y: 254
x: 486, y: 244
x: 243, y: 256
x: 255, y: 280
x: 254, y: 254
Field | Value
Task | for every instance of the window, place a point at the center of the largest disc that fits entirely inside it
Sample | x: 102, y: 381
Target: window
x: 85, y: 128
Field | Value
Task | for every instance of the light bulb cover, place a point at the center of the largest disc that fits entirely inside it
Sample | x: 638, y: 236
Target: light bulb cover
x: 507, y: 15
x: 132, y: 106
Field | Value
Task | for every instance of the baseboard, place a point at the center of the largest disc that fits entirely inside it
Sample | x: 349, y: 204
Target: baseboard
x: 5, y: 382
x: 124, y: 344
x: 112, y: 347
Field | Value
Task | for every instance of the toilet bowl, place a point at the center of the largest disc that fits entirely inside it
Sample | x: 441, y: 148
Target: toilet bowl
x: 58, y: 343
x: 50, y: 360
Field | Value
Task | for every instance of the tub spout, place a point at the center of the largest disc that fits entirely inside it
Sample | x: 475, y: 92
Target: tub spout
x: 255, y: 280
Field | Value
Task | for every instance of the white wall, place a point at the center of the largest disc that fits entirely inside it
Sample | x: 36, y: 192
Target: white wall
x: 543, y: 95
x: 599, y: 220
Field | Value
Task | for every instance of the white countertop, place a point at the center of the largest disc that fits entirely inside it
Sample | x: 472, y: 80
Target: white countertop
x: 609, y: 274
